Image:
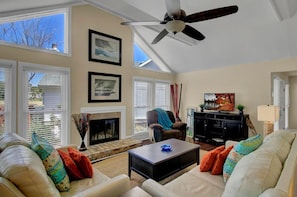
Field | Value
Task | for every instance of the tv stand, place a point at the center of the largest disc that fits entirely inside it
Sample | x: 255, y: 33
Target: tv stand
x: 217, y: 127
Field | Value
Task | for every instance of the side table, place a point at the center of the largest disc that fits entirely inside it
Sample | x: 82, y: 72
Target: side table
x: 136, y: 192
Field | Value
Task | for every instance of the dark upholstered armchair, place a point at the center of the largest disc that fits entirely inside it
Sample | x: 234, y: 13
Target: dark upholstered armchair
x: 177, y: 131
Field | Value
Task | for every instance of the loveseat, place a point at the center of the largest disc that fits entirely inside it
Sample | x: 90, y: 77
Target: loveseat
x: 22, y: 173
x: 268, y: 171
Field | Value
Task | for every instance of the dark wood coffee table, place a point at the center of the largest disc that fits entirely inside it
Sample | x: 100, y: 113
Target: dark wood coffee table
x: 150, y: 162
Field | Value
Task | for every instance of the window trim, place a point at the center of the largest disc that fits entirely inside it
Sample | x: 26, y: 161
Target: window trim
x: 12, y: 66
x: 145, y: 79
x: 23, y: 66
x: 37, y: 13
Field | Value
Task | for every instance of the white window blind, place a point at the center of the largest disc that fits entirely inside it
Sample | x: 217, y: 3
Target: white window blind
x: 149, y: 94
x: 45, y: 103
x: 7, y: 96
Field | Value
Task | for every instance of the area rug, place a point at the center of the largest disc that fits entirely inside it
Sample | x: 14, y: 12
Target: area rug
x: 118, y: 164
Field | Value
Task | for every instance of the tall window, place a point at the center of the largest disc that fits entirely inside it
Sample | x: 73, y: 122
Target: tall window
x: 40, y: 30
x: 149, y: 94
x: 44, y: 102
x: 7, y: 96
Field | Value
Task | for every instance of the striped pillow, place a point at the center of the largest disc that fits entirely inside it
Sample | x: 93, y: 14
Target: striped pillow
x: 52, y: 162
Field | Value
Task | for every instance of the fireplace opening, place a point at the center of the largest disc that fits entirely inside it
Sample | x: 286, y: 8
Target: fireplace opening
x: 104, y: 130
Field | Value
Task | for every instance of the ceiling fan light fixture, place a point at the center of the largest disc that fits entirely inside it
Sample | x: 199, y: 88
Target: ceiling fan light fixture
x: 175, y: 26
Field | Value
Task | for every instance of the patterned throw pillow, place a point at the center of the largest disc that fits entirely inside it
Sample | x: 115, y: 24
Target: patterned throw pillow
x: 241, y: 149
x: 71, y: 168
x: 220, y: 160
x: 209, y: 158
x: 51, y: 161
x: 82, y: 162
x: 230, y: 163
x: 247, y: 146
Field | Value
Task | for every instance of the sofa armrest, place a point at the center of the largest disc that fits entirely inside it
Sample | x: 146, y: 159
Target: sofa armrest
x: 111, y: 188
x: 155, y: 189
x: 8, y: 189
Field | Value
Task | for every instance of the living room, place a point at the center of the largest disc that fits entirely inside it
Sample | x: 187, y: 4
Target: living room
x: 251, y: 82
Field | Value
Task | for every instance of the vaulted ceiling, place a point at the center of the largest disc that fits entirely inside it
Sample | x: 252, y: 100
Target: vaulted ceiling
x: 261, y: 30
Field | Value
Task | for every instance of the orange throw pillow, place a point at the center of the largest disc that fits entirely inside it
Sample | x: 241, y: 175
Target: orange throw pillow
x: 209, y: 158
x: 71, y: 168
x: 82, y: 162
x: 220, y: 160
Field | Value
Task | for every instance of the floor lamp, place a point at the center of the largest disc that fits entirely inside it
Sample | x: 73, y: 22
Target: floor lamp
x: 269, y: 114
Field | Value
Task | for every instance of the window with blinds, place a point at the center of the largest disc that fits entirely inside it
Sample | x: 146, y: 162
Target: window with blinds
x: 149, y: 94
x: 45, y: 103
x: 7, y: 96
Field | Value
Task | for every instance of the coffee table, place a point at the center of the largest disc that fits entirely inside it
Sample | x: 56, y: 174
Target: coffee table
x: 150, y: 162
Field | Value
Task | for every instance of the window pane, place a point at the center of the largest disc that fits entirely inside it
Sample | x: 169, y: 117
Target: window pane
x: 142, y: 60
x: 41, y: 31
x: 44, y: 105
x: 145, y: 100
x: 162, y: 98
x: 4, y: 82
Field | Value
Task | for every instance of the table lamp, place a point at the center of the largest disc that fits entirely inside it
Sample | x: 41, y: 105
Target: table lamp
x: 269, y: 114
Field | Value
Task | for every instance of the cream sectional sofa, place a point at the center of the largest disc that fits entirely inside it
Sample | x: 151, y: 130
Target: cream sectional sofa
x: 269, y: 171
x: 22, y: 173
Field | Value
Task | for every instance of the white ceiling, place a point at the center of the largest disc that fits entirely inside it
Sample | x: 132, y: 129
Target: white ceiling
x: 261, y: 30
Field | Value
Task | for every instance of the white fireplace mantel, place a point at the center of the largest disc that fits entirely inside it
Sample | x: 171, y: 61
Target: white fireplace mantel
x: 110, y: 109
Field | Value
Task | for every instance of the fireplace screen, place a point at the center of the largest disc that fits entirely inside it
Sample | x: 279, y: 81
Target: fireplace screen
x: 104, y: 130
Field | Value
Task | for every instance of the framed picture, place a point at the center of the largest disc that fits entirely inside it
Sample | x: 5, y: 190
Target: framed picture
x: 105, y: 48
x: 104, y: 87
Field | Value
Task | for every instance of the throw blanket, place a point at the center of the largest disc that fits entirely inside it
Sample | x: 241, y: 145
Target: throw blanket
x: 163, y: 119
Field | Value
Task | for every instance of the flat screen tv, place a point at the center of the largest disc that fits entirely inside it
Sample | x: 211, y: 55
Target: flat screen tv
x: 224, y: 102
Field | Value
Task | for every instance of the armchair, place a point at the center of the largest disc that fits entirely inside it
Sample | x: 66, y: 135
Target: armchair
x: 159, y: 133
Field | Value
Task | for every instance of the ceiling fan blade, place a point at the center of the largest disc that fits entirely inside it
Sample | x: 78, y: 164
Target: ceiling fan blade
x: 143, y: 23
x: 173, y: 7
x: 193, y: 33
x: 161, y: 35
x: 210, y: 14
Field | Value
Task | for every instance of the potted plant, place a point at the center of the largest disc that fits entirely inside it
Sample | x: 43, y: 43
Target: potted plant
x: 240, y: 108
x: 201, y: 107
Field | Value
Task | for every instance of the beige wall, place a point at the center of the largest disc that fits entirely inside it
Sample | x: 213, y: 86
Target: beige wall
x: 83, y: 18
x: 251, y: 84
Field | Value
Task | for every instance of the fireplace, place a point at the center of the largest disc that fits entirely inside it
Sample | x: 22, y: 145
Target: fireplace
x: 112, y: 117
x: 103, y: 130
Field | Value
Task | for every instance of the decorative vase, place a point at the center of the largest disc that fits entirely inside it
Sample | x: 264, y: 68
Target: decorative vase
x: 201, y: 109
x: 82, y: 124
x: 82, y: 145
x: 241, y: 112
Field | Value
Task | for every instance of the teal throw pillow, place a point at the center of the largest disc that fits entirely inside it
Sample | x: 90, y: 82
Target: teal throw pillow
x: 230, y: 163
x: 52, y: 162
x: 247, y: 146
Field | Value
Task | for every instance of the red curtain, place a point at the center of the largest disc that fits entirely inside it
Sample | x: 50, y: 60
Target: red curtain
x: 176, y: 98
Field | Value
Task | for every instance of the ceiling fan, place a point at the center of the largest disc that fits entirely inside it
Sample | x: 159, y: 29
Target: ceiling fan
x: 175, y: 20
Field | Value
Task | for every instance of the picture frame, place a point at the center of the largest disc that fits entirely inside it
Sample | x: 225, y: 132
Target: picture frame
x: 105, y: 48
x: 104, y: 87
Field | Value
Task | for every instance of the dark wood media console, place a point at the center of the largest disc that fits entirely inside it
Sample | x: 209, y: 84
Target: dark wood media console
x: 217, y: 127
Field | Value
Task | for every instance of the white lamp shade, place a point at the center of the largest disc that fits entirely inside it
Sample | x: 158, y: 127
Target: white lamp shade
x: 269, y: 113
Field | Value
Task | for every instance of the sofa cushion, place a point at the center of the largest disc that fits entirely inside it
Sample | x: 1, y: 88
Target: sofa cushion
x: 9, y: 139
x: 82, y: 162
x: 209, y: 158
x: 247, y: 146
x: 217, y: 167
x: 253, y: 174
x: 52, y: 162
x: 23, y: 168
x: 70, y: 166
x: 285, y: 134
x: 277, y: 145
